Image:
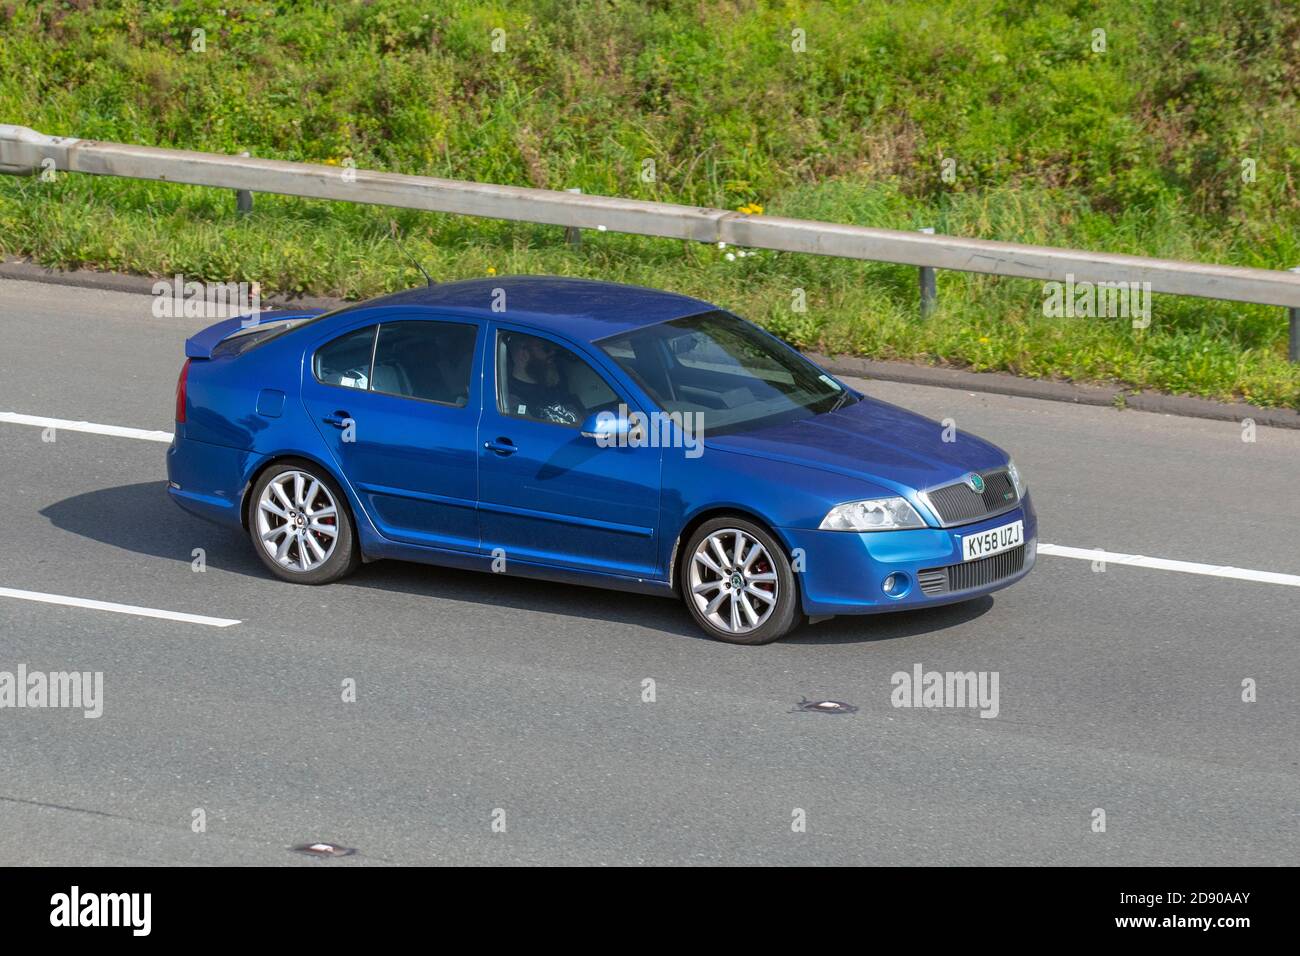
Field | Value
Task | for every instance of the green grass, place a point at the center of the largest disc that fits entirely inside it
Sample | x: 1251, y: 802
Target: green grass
x: 1136, y: 149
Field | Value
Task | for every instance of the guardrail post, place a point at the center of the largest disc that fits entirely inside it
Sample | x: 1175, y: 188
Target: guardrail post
x: 243, y: 198
x: 572, y: 235
x: 1293, y: 347
x: 929, y: 290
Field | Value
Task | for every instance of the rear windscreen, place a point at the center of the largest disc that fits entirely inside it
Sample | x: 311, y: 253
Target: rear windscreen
x: 248, y: 339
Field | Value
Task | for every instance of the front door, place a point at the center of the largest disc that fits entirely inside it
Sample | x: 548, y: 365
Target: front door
x: 548, y: 495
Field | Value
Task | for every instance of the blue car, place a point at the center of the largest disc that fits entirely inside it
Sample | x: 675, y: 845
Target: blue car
x: 590, y: 433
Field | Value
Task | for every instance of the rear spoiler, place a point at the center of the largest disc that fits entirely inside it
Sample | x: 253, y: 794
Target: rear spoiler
x: 201, y: 344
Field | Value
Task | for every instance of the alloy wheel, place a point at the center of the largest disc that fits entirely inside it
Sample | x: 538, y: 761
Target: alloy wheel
x: 733, y: 581
x: 297, y: 521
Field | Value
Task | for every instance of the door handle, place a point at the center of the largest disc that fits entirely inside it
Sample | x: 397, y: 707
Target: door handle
x: 502, y: 446
x: 339, y: 419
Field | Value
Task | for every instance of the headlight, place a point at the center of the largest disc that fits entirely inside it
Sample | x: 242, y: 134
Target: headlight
x: 874, y: 514
x: 1014, y: 474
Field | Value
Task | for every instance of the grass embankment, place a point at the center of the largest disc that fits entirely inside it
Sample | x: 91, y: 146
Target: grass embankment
x: 1136, y: 149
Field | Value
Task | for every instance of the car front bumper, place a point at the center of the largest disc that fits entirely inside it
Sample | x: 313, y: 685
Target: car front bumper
x: 842, y: 572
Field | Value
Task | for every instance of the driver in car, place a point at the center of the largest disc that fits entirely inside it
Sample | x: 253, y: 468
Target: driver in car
x: 535, y: 387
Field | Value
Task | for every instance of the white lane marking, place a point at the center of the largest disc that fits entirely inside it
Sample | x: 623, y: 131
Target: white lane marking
x: 117, y: 431
x: 116, y: 608
x: 1164, y: 564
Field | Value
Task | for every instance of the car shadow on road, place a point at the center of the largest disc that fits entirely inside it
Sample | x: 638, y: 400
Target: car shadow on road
x: 141, y: 519
x: 855, y: 628
x: 599, y: 605
x: 640, y: 610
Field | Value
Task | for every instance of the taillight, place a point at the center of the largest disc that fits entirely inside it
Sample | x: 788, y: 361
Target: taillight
x: 180, y: 392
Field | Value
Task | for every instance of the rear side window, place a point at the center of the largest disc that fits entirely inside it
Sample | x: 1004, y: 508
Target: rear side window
x: 346, y: 360
x: 430, y: 361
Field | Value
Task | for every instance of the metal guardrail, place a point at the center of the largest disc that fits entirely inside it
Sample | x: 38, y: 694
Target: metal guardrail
x: 24, y: 151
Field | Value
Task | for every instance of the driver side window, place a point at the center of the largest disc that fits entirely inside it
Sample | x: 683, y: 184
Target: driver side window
x: 545, y: 382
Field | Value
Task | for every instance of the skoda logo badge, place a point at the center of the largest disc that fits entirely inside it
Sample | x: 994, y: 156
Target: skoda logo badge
x: 975, y: 483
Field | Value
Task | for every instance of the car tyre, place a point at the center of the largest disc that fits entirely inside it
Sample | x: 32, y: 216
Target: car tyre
x: 300, y: 524
x: 737, y: 582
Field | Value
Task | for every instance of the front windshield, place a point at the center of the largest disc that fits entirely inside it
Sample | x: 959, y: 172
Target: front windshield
x: 726, y: 370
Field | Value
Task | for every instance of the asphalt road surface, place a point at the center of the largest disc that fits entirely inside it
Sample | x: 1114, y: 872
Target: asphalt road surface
x: 1119, y: 689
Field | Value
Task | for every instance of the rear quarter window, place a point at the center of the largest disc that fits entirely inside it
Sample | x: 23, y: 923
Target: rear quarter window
x: 345, y: 361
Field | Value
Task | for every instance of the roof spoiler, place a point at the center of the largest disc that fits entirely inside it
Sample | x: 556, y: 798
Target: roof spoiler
x: 202, y: 344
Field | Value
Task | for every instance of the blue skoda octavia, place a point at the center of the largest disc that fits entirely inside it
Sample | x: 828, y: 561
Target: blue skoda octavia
x: 590, y: 433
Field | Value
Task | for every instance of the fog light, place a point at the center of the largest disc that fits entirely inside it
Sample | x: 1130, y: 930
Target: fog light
x: 896, y: 584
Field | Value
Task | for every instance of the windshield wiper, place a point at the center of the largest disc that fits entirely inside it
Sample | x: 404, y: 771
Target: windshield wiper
x: 840, y: 401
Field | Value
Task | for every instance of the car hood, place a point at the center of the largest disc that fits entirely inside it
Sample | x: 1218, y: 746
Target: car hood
x: 871, y: 440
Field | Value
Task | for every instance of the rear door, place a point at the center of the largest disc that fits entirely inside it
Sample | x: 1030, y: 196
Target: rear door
x: 396, y: 401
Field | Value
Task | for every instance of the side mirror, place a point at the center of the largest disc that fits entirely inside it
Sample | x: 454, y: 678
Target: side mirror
x: 607, y: 428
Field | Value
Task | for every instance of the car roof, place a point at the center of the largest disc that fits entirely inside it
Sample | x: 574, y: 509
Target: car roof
x: 583, y: 309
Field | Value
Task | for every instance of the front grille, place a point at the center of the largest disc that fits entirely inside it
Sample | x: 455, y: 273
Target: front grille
x: 972, y: 574
x: 957, y: 503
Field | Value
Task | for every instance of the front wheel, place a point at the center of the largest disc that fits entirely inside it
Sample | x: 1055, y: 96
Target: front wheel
x: 300, y: 525
x: 738, y: 584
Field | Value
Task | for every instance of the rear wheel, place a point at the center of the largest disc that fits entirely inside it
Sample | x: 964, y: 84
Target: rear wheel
x: 300, y: 525
x: 737, y: 582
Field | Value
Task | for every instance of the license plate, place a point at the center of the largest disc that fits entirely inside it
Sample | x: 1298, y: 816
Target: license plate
x: 993, y: 541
